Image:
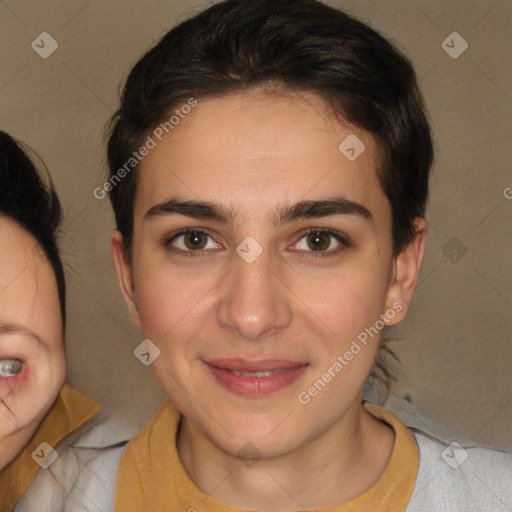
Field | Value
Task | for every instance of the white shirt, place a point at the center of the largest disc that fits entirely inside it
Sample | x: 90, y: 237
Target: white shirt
x: 83, y: 477
x: 450, y: 478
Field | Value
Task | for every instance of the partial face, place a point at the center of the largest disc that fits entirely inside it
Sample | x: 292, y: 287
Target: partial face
x: 250, y: 310
x: 32, y: 357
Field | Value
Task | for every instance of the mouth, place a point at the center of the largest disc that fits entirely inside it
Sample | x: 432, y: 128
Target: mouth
x: 254, y: 378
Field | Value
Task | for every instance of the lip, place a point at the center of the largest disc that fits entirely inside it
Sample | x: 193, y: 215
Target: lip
x: 284, y: 373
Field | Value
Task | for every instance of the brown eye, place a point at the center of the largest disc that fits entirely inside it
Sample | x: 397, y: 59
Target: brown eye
x: 195, y: 240
x: 10, y: 367
x: 318, y: 241
x: 321, y: 242
x: 190, y: 242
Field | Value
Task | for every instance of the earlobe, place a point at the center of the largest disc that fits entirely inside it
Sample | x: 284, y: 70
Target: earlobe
x: 124, y: 276
x: 406, y: 268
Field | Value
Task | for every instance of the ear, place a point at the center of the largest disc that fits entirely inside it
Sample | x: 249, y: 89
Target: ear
x: 404, y: 275
x: 124, y: 275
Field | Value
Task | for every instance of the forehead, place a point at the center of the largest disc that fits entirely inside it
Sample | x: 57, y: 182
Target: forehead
x: 254, y: 148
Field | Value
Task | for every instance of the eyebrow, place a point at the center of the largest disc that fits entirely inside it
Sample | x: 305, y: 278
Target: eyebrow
x: 283, y: 214
x: 11, y: 329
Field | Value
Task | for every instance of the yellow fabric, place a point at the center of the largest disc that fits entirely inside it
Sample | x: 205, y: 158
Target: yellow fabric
x: 70, y: 410
x: 151, y: 477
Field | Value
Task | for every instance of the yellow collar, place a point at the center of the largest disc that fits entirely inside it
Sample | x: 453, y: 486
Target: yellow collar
x: 70, y: 410
x: 151, y: 476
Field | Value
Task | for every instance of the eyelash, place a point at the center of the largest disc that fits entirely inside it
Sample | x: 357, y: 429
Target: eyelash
x: 322, y: 254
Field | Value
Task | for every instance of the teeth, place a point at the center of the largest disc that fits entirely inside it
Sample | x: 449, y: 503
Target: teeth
x: 254, y: 374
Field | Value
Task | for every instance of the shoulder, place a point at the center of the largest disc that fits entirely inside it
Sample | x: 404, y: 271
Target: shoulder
x: 144, y: 451
x: 156, y: 430
x: 453, y: 474
x: 84, y: 473
x: 456, y: 478
x: 147, y: 457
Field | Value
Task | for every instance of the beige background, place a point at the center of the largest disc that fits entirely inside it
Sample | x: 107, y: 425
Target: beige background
x: 456, y: 343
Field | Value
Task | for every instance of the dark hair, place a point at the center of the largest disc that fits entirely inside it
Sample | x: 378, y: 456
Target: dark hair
x: 32, y: 203
x: 300, y: 45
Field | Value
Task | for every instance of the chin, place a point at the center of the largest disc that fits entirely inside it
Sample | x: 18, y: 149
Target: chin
x: 254, y: 437
x: 253, y: 446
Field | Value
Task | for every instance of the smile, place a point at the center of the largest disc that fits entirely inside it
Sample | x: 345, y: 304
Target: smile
x: 255, y: 378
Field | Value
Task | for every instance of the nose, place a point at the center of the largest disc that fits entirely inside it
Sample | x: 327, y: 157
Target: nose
x: 255, y: 301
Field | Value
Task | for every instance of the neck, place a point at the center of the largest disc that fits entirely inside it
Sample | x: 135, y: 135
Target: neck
x: 308, y: 477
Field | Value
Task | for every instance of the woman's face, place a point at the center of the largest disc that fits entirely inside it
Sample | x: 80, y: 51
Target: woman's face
x: 32, y: 356
x: 224, y: 303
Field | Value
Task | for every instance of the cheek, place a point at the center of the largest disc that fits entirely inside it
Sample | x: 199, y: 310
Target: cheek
x: 171, y: 289
x: 171, y: 303
x: 346, y: 300
x: 18, y: 382
x: 59, y: 367
x: 349, y: 303
x: 30, y: 394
